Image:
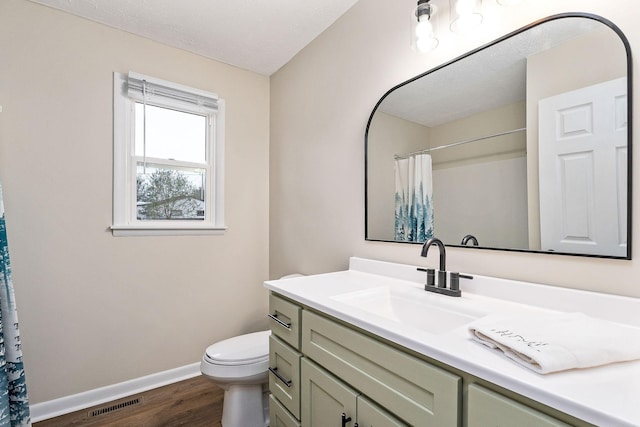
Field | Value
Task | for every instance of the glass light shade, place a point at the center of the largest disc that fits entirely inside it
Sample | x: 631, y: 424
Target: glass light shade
x: 465, y: 15
x: 423, y: 29
x: 509, y: 2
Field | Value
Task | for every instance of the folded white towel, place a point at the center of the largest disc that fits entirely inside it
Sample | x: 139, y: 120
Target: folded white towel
x: 553, y: 342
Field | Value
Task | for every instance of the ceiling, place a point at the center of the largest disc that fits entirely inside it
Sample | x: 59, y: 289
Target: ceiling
x: 259, y: 36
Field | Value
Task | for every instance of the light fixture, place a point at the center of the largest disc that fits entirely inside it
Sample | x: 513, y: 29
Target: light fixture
x: 509, y: 2
x: 423, y: 32
x: 464, y: 15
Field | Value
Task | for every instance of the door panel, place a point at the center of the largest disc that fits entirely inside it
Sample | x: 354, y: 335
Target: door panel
x: 325, y: 398
x: 583, y: 170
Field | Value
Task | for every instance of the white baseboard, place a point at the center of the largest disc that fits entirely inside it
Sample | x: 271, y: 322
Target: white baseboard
x: 66, y: 405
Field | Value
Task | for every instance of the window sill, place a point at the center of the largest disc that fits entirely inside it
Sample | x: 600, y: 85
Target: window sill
x: 154, y: 230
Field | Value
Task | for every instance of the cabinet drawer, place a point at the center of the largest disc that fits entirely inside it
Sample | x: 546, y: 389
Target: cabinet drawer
x: 279, y: 416
x: 411, y: 389
x: 285, y: 320
x: 284, y: 375
x: 487, y: 408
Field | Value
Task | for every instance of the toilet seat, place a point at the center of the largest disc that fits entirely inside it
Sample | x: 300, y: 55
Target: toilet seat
x: 241, y: 350
x: 241, y: 359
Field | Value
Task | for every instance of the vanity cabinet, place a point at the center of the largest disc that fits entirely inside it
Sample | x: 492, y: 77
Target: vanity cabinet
x: 329, y: 368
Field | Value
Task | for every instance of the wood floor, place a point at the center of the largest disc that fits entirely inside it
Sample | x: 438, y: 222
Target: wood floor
x: 195, y: 403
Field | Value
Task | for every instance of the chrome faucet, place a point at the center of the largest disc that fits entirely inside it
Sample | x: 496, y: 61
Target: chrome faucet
x: 441, y: 287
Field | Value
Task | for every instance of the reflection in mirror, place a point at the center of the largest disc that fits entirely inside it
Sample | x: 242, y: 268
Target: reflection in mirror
x: 523, y: 144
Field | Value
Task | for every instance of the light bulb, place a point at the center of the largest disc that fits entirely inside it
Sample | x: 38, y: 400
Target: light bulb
x: 424, y: 28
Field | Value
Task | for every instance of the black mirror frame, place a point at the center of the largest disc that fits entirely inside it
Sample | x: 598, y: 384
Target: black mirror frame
x: 627, y: 47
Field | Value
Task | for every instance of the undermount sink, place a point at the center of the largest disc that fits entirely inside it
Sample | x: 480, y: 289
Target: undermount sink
x: 412, y: 307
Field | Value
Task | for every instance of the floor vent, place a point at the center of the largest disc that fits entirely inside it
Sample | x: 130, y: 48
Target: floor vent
x: 115, y: 407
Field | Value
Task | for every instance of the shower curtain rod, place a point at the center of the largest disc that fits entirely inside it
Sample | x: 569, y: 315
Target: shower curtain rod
x: 428, y: 150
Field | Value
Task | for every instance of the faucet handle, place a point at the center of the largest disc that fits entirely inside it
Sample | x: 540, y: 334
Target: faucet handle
x: 431, y: 275
x: 454, y: 284
x: 455, y: 280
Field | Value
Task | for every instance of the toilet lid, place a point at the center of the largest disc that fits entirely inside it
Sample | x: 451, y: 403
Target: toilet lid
x: 240, y: 350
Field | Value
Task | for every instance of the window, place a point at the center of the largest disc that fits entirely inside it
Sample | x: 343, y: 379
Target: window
x: 168, y: 158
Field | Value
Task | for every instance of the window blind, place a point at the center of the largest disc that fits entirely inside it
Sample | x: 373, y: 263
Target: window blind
x: 149, y: 89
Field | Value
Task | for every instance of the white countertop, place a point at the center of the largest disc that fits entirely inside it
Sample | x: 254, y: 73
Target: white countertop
x: 604, y: 396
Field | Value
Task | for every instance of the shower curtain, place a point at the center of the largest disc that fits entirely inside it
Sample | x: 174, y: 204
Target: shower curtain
x: 414, y: 191
x: 14, y: 404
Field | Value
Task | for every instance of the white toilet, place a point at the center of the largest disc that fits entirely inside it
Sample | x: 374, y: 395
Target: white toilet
x: 239, y: 365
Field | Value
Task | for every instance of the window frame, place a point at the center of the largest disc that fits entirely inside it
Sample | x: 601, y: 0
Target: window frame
x: 125, y: 222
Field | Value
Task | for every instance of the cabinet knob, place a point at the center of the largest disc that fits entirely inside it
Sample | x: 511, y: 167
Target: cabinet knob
x: 345, y: 419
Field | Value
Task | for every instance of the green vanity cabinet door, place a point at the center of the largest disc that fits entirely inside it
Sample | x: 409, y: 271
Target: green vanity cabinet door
x: 285, y: 320
x: 279, y: 416
x: 284, y: 375
x: 487, y: 408
x: 371, y: 415
x: 325, y: 399
x: 409, y: 388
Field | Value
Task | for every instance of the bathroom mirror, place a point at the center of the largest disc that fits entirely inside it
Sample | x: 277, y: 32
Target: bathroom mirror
x: 523, y: 144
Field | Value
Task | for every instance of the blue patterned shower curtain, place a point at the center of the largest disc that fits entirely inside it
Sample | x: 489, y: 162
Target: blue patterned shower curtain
x: 414, y: 191
x: 14, y: 404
